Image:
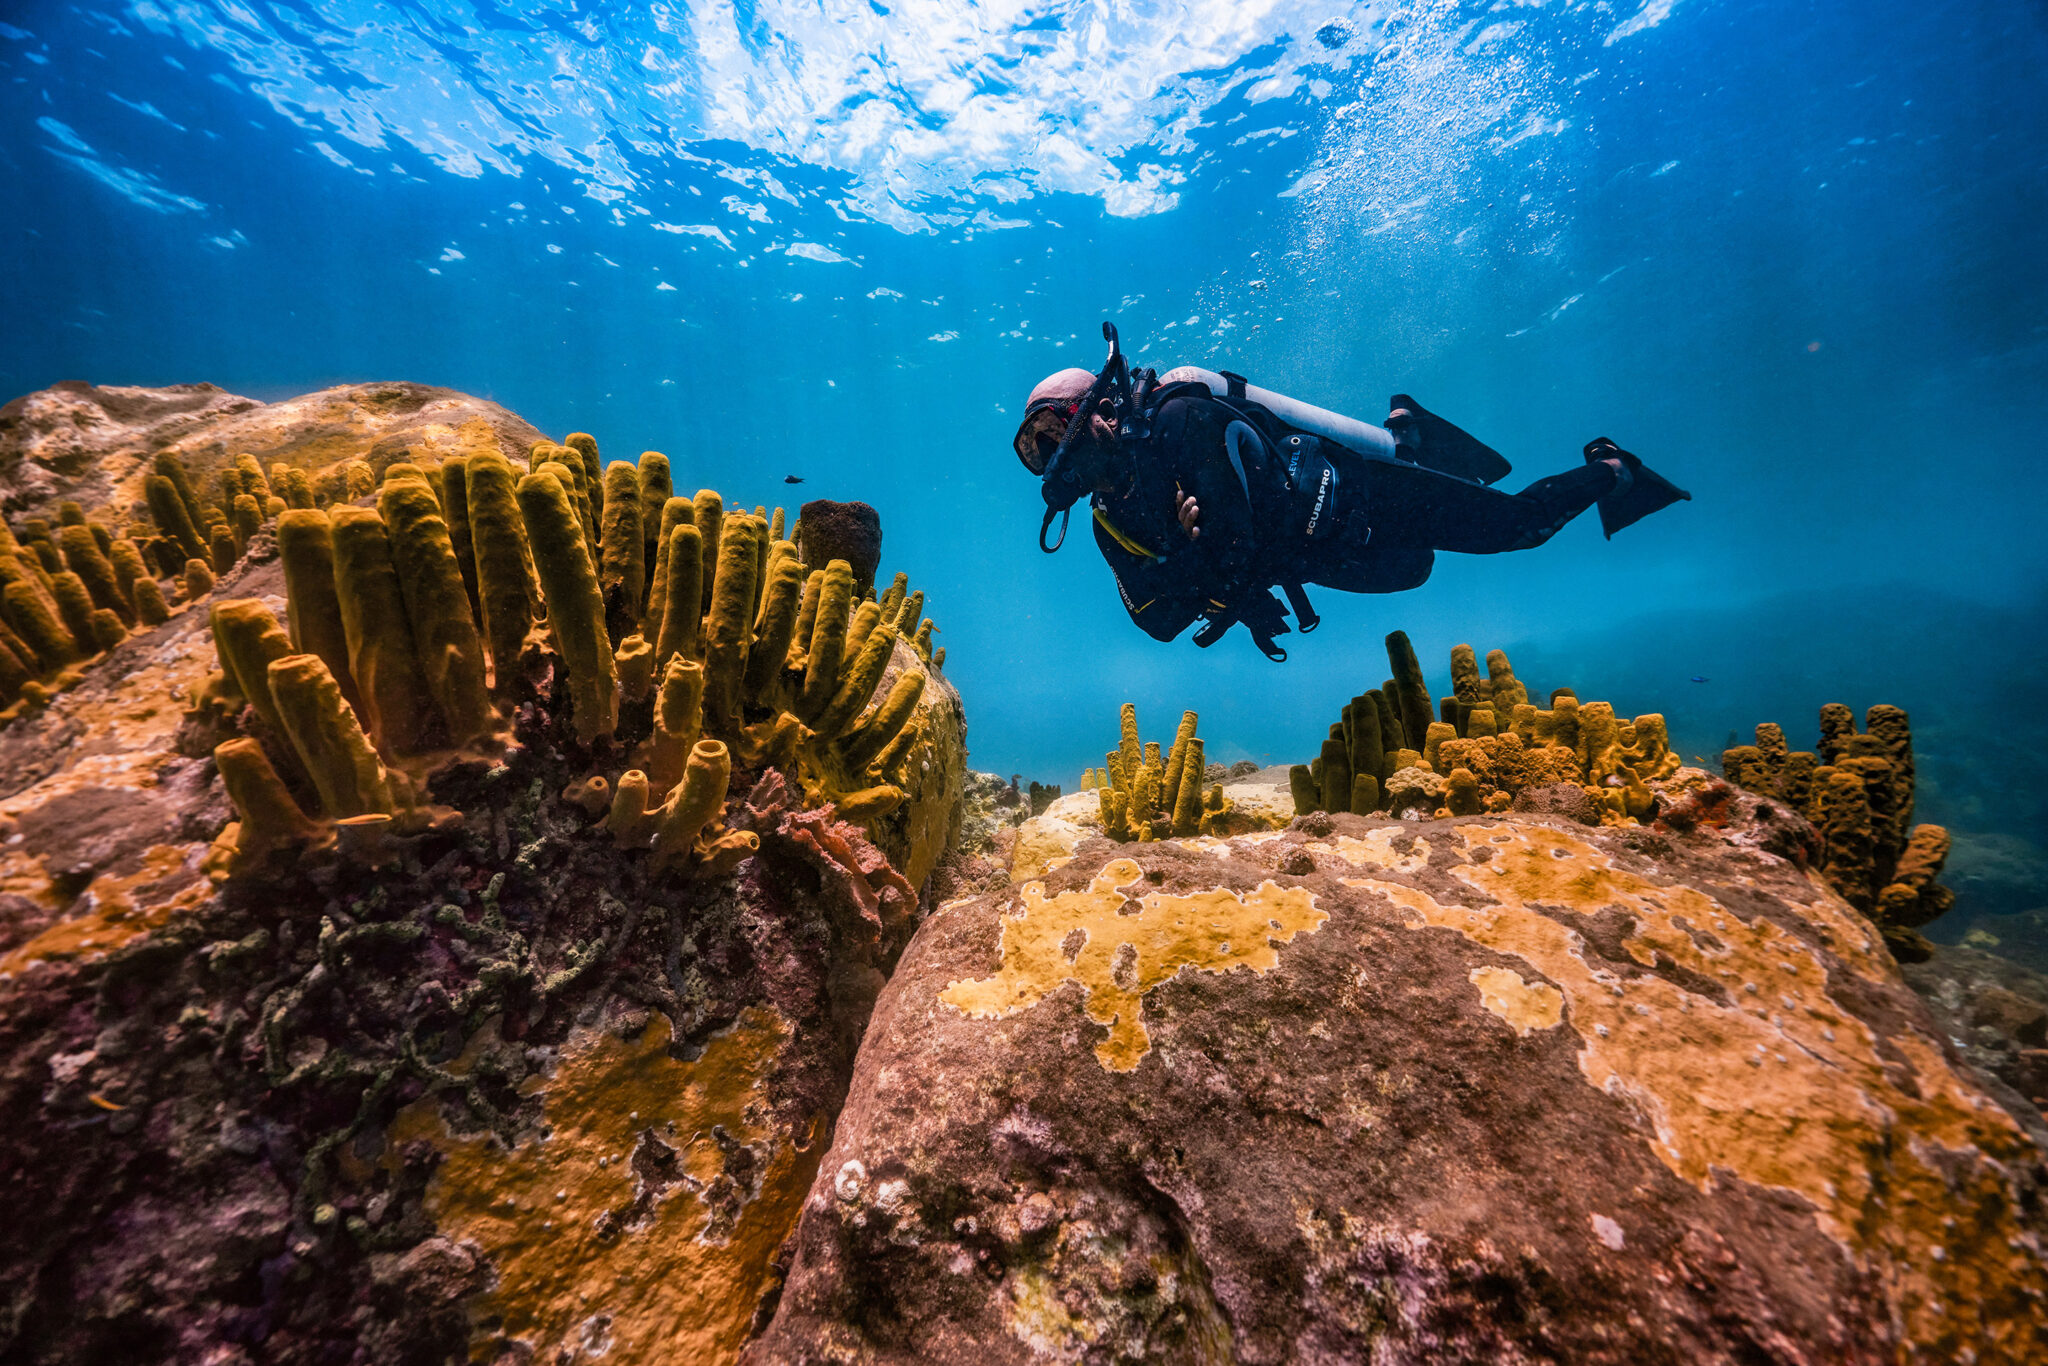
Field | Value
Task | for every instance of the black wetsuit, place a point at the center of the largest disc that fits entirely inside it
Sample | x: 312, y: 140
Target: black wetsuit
x: 1378, y: 532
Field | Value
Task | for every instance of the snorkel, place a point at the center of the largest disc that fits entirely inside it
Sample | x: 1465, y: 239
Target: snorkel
x: 1060, y: 485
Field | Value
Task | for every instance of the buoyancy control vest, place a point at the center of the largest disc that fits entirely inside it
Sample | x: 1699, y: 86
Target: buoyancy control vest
x: 1295, y: 495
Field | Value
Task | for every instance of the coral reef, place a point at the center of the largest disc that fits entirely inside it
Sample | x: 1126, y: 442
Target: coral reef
x: 485, y: 901
x: 1484, y: 748
x: 1149, y: 796
x: 388, y: 616
x: 71, y: 593
x: 1857, y: 790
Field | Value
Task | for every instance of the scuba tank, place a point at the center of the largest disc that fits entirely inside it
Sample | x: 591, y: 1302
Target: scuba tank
x: 1443, y: 447
x: 1349, y: 432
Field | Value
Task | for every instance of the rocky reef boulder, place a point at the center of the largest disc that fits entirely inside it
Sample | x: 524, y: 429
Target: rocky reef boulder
x: 461, y: 962
x: 1502, y: 1088
x: 94, y: 443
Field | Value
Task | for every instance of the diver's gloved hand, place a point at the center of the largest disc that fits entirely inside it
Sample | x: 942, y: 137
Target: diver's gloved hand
x: 1265, y: 618
x: 1261, y: 614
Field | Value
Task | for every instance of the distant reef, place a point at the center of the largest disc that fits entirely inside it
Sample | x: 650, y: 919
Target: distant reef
x: 462, y: 899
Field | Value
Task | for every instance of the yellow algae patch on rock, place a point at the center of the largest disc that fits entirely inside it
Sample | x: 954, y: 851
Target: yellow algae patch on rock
x: 117, y: 909
x: 1050, y: 838
x: 1904, y: 1163
x: 1524, y: 1005
x: 644, y: 1226
x: 1086, y: 936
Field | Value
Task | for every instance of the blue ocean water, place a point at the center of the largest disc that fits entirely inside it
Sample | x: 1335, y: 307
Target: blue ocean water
x: 1791, y: 253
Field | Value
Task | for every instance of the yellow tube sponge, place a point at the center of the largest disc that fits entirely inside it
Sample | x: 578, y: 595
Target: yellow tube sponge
x: 1599, y: 747
x: 249, y: 640
x: 1302, y: 786
x: 1187, y: 791
x: 254, y: 481
x: 682, y: 619
x: 1176, y: 759
x: 858, y: 683
x: 1130, y: 750
x: 892, y: 600
x: 222, y: 550
x: 1365, y: 794
x: 454, y: 489
x: 1115, y: 808
x: 150, y: 607
x: 678, y: 721
x: 1462, y: 795
x: 298, y: 489
x: 312, y: 608
x: 107, y: 630
x: 870, y: 803
x: 806, y: 618
x: 911, y: 611
x: 1145, y: 802
x: 171, y: 469
x: 631, y: 824
x: 635, y: 662
x: 695, y: 803
x: 381, y: 657
x: 656, y: 487
x: 171, y: 515
x: 591, y: 465
x: 358, y: 480
x: 504, y: 566
x: 1410, y: 692
x: 1432, y: 737
x: 828, y: 640
x: 83, y: 555
x: 887, y: 722
x: 130, y: 567
x: 622, y: 566
x: 16, y: 672
x: 575, y: 608
x: 728, y: 629
x: 776, y: 628
x: 329, y: 740
x: 1335, y: 778
x: 1465, y: 675
x: 672, y: 514
x: 866, y: 616
x: 270, y: 818
x: 198, y: 579
x: 247, y: 522
x: 451, y: 658
x: 708, y: 509
x: 1842, y: 811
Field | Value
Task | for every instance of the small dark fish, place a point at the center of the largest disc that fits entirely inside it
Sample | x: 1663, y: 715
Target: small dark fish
x: 792, y: 479
x: 1697, y: 679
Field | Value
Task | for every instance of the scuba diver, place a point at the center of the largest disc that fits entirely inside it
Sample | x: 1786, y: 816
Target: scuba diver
x: 1206, y: 491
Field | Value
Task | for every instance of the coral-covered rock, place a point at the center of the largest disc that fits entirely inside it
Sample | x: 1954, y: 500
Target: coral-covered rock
x: 362, y: 996
x: 1498, y: 1088
x: 94, y: 443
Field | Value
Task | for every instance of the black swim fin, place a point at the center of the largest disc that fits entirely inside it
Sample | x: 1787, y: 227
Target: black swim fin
x: 1435, y: 444
x: 1645, y: 492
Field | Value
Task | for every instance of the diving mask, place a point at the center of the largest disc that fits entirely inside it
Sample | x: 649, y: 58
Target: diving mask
x: 1038, y: 435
